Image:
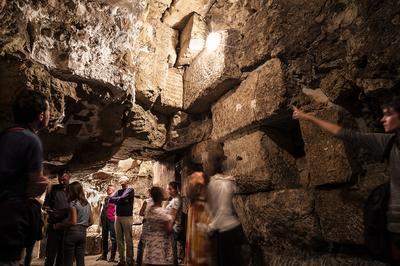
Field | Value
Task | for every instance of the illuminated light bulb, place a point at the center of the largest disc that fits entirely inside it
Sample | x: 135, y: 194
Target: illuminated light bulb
x: 213, y: 41
x: 196, y: 44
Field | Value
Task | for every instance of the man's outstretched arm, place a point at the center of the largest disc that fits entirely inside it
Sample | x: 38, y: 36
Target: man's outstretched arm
x: 325, y: 125
x: 374, y: 142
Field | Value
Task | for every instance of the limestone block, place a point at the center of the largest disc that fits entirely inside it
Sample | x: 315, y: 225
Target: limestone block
x: 258, y: 163
x: 157, y: 55
x: 180, y: 10
x: 211, y: 74
x: 328, y: 161
x: 341, y: 216
x: 186, y: 130
x: 281, y: 219
x: 258, y: 98
x: 171, y: 95
x: 192, y: 39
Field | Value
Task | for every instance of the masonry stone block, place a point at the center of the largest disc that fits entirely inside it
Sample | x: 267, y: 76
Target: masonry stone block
x: 192, y: 39
x: 186, y: 130
x: 259, y: 98
x: 282, y: 219
x: 259, y: 164
x: 211, y: 74
x: 328, y: 160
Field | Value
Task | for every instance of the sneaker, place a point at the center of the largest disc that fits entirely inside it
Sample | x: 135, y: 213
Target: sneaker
x: 101, y: 258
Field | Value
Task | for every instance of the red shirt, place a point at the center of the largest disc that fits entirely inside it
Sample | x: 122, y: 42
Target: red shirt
x: 111, y: 211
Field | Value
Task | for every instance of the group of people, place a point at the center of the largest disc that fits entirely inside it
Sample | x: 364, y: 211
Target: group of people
x: 213, y: 233
x: 116, y: 220
x: 23, y: 182
x: 160, y: 231
x: 69, y: 214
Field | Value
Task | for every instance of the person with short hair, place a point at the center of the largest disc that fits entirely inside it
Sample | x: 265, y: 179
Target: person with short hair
x: 377, y: 144
x: 56, y: 205
x: 123, y: 200
x: 21, y: 176
x: 107, y: 220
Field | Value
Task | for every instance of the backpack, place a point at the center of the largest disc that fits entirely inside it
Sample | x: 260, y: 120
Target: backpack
x: 376, y: 236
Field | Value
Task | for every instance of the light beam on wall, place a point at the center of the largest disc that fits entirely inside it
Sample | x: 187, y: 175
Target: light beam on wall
x: 213, y: 41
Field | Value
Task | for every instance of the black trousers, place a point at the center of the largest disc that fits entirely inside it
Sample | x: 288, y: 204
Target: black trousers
x: 14, y: 228
x: 229, y: 247
x: 54, y: 246
x: 108, y: 229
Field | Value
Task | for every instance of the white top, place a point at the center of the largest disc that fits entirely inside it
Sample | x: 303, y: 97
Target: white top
x: 175, y: 203
x: 220, y: 193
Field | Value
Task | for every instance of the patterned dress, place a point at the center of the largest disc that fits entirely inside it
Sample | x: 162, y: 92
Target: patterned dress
x: 157, y: 242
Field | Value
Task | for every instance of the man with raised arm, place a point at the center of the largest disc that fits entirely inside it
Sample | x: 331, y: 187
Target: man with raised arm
x: 378, y: 144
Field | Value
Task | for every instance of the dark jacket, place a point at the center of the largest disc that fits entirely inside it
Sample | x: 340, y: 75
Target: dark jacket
x: 123, y: 199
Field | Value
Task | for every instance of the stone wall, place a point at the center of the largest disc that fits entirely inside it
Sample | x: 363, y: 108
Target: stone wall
x: 301, y: 191
x: 130, y: 78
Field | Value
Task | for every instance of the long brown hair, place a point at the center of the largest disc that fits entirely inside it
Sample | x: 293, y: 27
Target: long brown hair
x: 196, y: 185
x: 75, y: 192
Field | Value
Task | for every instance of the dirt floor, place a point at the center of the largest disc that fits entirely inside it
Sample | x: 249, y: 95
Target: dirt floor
x: 89, y: 261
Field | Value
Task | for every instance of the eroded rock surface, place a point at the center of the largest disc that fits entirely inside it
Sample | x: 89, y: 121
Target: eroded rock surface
x: 135, y: 78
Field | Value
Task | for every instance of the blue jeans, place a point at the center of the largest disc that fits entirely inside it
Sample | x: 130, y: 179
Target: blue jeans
x: 106, y: 230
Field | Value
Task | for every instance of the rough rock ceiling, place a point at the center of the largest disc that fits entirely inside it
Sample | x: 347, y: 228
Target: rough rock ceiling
x: 127, y: 77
